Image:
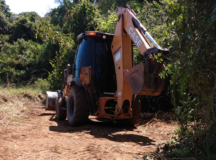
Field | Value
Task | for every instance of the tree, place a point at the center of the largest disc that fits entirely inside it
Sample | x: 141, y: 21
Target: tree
x: 5, y: 9
x: 5, y: 26
x: 82, y: 17
x: 192, y: 26
x: 26, y: 26
x: 58, y: 14
x: 20, y: 61
x: 58, y: 53
x: 5, y: 14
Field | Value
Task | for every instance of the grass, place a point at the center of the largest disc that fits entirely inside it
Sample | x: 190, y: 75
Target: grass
x: 19, y: 90
x: 14, y: 108
x: 12, y: 111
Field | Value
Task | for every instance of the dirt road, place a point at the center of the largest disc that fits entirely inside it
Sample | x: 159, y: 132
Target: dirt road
x: 40, y: 136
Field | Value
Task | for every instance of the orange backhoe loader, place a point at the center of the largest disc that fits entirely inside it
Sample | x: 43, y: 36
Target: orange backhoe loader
x: 104, y: 82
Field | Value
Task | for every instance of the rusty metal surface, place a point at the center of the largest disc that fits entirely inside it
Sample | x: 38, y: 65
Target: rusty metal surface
x: 135, y: 77
x: 85, y: 75
x: 144, y: 79
x: 153, y: 84
x: 118, y: 111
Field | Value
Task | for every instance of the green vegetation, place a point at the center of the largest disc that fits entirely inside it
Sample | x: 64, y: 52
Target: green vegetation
x: 19, y: 90
x: 193, y: 74
x: 34, y: 50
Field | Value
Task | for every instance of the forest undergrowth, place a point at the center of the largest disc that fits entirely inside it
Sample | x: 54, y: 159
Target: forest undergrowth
x: 34, y: 50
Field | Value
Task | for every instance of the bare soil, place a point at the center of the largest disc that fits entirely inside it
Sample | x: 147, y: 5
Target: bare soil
x: 38, y: 135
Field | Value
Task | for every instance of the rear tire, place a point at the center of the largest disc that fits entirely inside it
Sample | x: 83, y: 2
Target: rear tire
x: 136, y: 108
x: 77, y: 106
x: 60, y: 112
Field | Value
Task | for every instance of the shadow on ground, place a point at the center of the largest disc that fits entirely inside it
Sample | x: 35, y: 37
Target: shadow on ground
x: 102, y: 129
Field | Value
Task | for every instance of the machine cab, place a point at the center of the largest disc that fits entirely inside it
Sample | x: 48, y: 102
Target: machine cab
x: 95, y: 52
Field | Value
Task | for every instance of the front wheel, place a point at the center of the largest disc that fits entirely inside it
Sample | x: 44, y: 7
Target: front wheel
x: 77, y: 106
x: 60, y: 112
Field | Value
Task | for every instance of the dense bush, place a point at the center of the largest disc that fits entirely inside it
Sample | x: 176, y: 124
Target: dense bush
x: 58, y: 53
x: 193, y: 73
x: 80, y: 18
x: 5, y: 26
x: 26, y: 26
x: 20, y: 61
x: 42, y: 84
x: 32, y: 47
x: 5, y: 9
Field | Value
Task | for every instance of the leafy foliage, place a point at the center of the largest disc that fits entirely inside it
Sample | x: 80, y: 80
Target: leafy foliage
x: 5, y: 9
x: 58, y: 52
x: 193, y: 74
x: 20, y: 61
x: 107, y: 23
x: 81, y: 17
x: 106, y: 5
x: 5, y: 26
x: 32, y: 48
x: 25, y: 27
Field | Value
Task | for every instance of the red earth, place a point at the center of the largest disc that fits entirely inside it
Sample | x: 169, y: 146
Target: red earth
x: 38, y: 135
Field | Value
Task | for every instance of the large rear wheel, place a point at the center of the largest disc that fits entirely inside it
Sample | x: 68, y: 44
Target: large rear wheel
x: 77, y: 106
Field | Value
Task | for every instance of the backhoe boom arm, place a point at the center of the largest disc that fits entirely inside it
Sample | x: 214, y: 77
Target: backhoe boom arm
x: 142, y: 79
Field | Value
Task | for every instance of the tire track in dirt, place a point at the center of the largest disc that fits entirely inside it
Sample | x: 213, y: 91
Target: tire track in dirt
x: 41, y: 136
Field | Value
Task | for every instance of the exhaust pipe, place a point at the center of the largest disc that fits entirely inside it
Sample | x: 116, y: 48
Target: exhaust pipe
x: 50, y: 100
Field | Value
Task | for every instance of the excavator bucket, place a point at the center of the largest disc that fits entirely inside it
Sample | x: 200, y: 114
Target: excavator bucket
x: 135, y: 77
x: 144, y: 83
x: 144, y: 78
